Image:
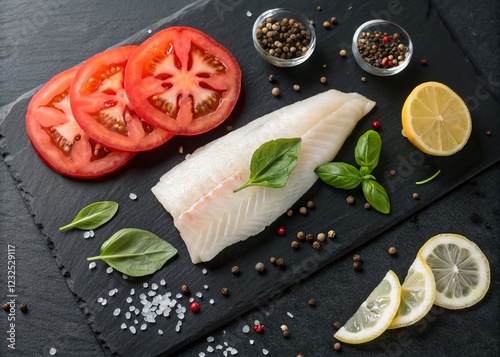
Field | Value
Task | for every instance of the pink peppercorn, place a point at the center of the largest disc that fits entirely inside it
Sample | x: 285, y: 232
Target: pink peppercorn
x: 194, y: 307
x: 376, y: 124
x: 281, y: 231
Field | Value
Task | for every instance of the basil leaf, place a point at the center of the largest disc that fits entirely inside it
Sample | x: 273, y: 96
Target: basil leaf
x: 135, y: 252
x: 273, y: 162
x: 376, y: 195
x: 93, y: 216
x: 367, y: 151
x: 339, y: 175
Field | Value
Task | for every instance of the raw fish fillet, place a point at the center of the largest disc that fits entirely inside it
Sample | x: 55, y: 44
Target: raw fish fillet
x: 198, y: 192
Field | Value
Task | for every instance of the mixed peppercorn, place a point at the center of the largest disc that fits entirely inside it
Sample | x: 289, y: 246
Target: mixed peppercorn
x: 381, y: 50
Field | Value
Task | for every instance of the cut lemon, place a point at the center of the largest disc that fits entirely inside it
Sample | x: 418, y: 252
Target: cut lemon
x: 436, y: 120
x: 375, y: 314
x: 461, y: 270
x: 417, y: 294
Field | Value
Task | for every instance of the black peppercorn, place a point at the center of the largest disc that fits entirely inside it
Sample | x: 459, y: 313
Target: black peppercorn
x: 280, y: 262
x: 295, y: 244
x: 185, y: 289
x: 356, y: 258
x: 358, y: 266
x: 23, y: 307
x: 311, y: 302
x: 225, y: 291
x: 6, y: 307
x: 337, y: 325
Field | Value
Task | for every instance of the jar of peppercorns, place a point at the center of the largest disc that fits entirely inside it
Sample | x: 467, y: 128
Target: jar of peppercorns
x: 283, y: 37
x: 381, y: 47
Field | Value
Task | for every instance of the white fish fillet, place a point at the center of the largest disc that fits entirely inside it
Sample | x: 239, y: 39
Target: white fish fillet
x: 198, y: 192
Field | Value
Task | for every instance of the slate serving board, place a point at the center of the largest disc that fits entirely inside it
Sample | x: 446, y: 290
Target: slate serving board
x: 54, y: 200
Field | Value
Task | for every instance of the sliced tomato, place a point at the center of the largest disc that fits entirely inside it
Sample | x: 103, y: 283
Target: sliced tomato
x: 183, y: 81
x: 101, y: 106
x: 58, y: 139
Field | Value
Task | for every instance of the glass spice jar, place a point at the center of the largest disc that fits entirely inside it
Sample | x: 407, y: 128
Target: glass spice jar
x: 382, y: 48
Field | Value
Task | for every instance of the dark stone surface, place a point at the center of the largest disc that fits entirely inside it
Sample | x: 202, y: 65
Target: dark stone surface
x: 49, y: 29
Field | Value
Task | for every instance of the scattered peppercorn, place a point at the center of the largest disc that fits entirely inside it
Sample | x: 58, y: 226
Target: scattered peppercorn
x: 331, y: 233
x: 284, y: 328
x: 6, y: 307
x: 381, y: 50
x: 275, y: 91
x: 260, y: 267
x: 311, y: 302
x: 337, y: 325
x: 310, y: 204
x: 356, y: 258
x: 23, y: 307
x: 392, y: 172
x: 229, y: 127
x: 337, y: 346
x: 225, y: 291
x: 309, y: 237
x: 376, y: 124
x: 415, y: 196
x: 283, y: 39
x: 367, y: 205
x: 235, y: 270
x: 350, y: 200
x: 300, y: 356
x: 424, y: 62
x: 184, y: 289
x: 286, y: 334
x: 358, y: 266
x: 272, y: 78
x: 272, y: 260
x: 321, y: 236
x: 295, y: 244
x: 289, y: 212
x: 488, y: 132
x: 323, y: 79
x: 392, y: 250
x: 316, y: 245
x: 303, y: 210
x: 334, y: 20
x: 296, y: 87
x: 363, y: 79
x: 194, y: 307
x: 326, y: 24
x: 301, y: 235
x: 280, y: 262
x: 318, y: 8
x: 281, y: 231
x: 258, y: 328
x: 343, y: 53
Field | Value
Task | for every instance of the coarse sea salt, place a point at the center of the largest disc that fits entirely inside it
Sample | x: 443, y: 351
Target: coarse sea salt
x: 290, y: 314
x: 249, y: 14
x: 212, y: 301
x: 163, y: 282
x: 204, y: 271
x: 132, y: 196
x: 210, y: 339
x: 52, y: 351
x: 109, y: 270
x: 265, y: 352
x: 117, y: 311
x: 245, y: 329
x: 92, y: 265
x: 160, y: 332
x: 123, y: 326
x: 210, y: 349
x: 132, y: 329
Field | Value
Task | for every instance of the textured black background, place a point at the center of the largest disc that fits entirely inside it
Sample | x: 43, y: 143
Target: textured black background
x: 35, y: 34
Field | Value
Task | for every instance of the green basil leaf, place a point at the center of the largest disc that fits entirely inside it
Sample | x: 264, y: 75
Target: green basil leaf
x: 135, y: 252
x: 273, y: 162
x: 367, y: 151
x: 376, y: 195
x: 93, y: 216
x: 339, y: 175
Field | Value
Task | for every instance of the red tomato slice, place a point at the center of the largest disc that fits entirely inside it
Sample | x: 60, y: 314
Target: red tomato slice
x: 58, y: 139
x: 101, y: 106
x: 182, y: 81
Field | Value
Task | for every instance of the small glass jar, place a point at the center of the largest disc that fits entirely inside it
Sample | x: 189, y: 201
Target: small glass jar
x: 390, y: 34
x: 279, y: 14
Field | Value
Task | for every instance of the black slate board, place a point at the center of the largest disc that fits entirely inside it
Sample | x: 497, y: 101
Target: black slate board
x: 54, y: 200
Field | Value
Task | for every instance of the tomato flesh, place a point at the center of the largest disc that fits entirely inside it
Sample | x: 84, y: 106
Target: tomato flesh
x: 60, y: 141
x: 102, y: 108
x: 183, y: 81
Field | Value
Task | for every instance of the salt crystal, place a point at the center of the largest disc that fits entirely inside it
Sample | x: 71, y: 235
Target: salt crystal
x: 162, y: 282
x: 132, y: 291
x: 210, y: 339
x: 178, y: 326
x: 104, y: 302
x: 249, y: 14
x: 180, y: 316
x: 137, y: 311
x: 256, y: 322
x: 142, y: 296
x: 86, y: 234
x: 52, y: 351
x: 149, y: 31
x: 160, y: 332
x: 145, y: 285
x: 201, y: 354
x: 191, y: 299
x: 116, y: 312
x: 210, y: 349
x: 132, y: 196
x: 200, y: 295
x: 109, y: 270
x: 151, y: 293
x: 92, y: 265
x: 91, y: 232
x: 265, y: 352
x: 131, y: 308
x: 112, y: 292
x: 154, y: 286
x: 132, y: 329
x: 123, y: 326
x: 204, y: 271
x: 205, y: 287
x: 212, y: 301
x: 218, y: 347
x: 136, y: 322
x: 290, y: 314
x: 128, y: 315
x: 99, y: 300
x: 245, y: 329
x: 144, y: 327
x: 178, y: 296
x: 251, y: 342
x: 124, y: 276
x: 234, y: 351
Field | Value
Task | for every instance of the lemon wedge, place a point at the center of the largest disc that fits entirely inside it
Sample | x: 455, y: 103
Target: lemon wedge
x: 436, y: 120
x: 418, y: 292
x: 461, y: 270
x: 375, y: 314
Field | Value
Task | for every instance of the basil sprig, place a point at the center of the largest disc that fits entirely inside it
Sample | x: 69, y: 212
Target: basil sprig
x: 93, y: 216
x: 135, y: 252
x: 272, y: 163
x: 348, y: 177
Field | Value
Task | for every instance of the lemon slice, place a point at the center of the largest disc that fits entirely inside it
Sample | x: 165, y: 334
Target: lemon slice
x: 417, y: 294
x: 461, y: 270
x: 436, y: 120
x: 375, y: 314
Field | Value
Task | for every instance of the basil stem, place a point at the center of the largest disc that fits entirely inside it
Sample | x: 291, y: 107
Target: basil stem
x: 429, y: 179
x: 135, y: 252
x: 339, y: 175
x: 376, y: 195
x: 273, y: 162
x: 367, y: 151
x: 93, y: 216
